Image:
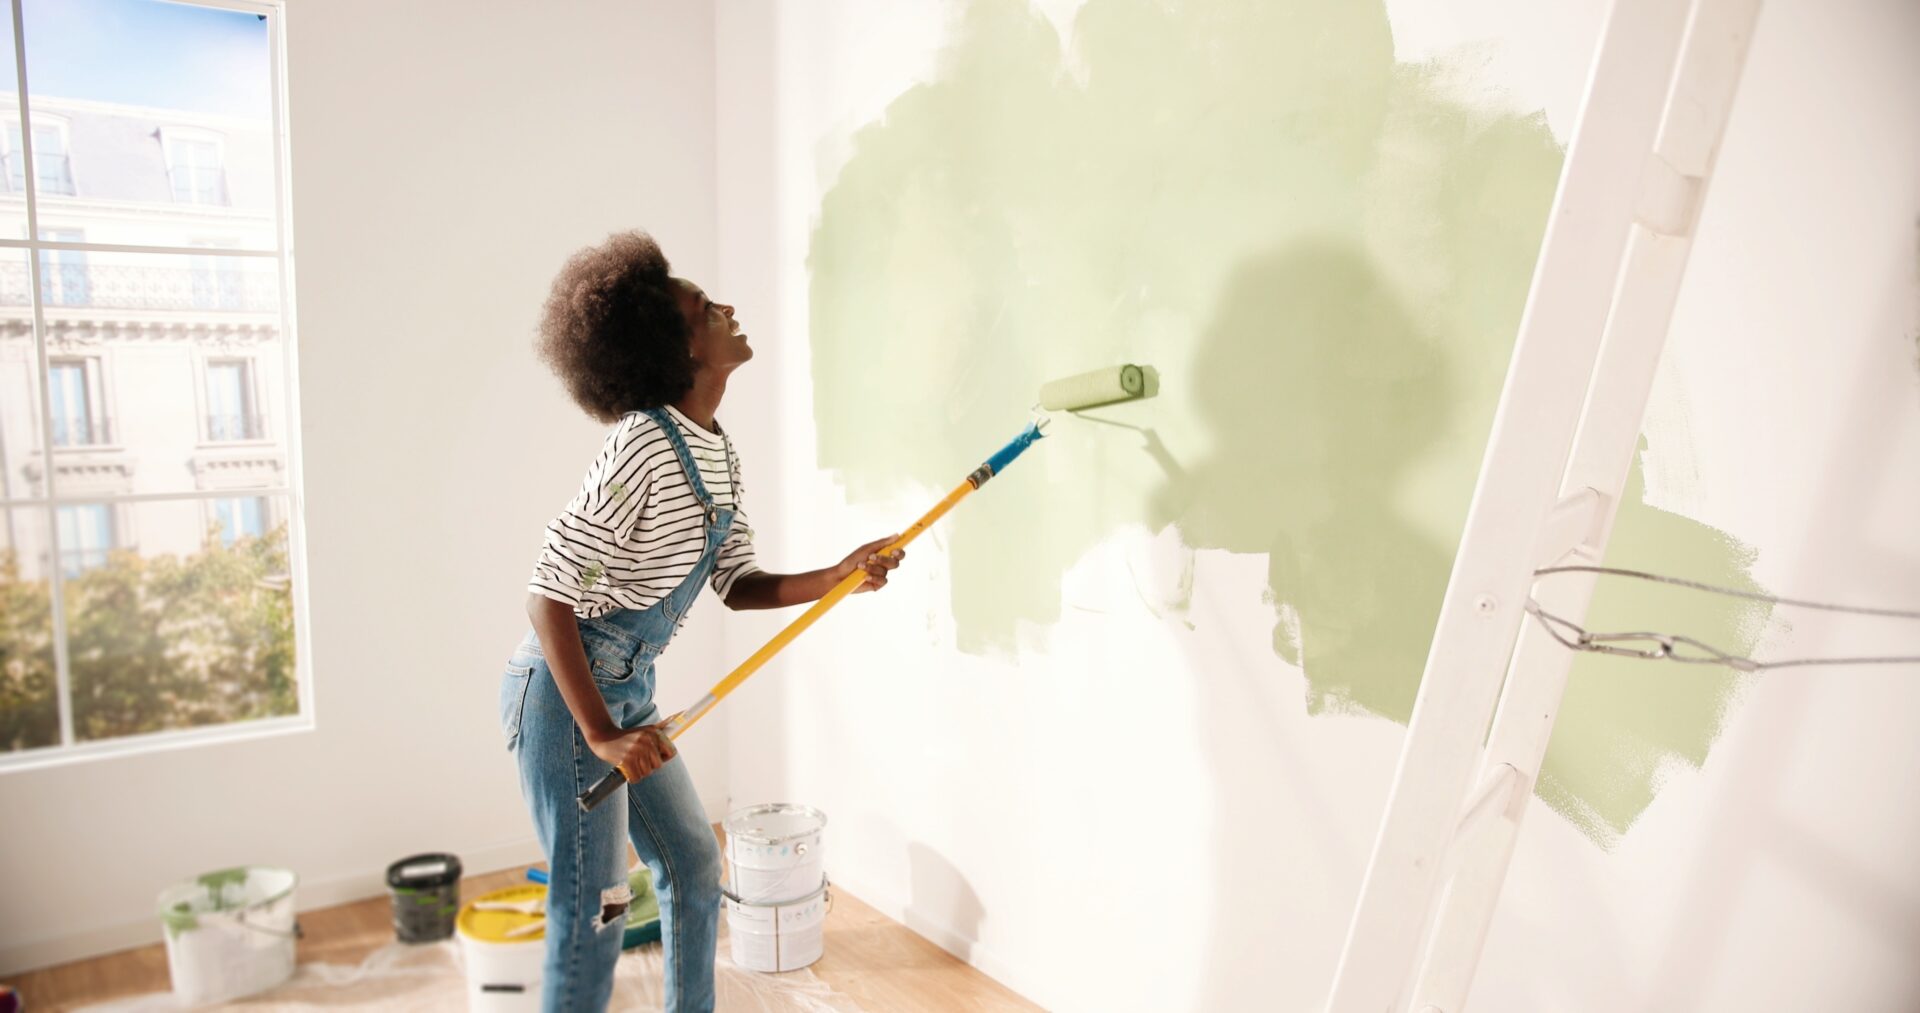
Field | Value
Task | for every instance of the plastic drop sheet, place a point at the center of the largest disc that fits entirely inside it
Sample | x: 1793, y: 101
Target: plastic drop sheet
x: 417, y: 979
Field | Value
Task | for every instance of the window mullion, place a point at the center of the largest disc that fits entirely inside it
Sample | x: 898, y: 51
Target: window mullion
x: 56, y: 603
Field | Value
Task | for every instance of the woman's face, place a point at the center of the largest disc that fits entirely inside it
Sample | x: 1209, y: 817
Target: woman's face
x: 715, y: 340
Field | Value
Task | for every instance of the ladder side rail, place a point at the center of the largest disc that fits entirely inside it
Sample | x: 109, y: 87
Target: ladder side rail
x: 1520, y: 476
x: 1706, y: 80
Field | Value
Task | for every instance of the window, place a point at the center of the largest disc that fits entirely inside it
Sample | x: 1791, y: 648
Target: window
x: 151, y: 587
x: 64, y: 278
x: 195, y: 166
x: 230, y: 409
x: 218, y: 281
x: 86, y: 538
x: 245, y: 517
x: 75, y: 403
x: 55, y: 169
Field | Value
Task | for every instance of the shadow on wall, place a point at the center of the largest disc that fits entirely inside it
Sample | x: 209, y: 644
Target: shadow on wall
x: 1318, y: 390
x: 1318, y: 393
x: 942, y: 901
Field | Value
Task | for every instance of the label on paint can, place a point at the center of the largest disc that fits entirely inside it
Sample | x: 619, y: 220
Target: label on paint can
x: 778, y: 937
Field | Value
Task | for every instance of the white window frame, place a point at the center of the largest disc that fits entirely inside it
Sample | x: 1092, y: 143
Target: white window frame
x: 99, y: 391
x: 117, y: 531
x: 251, y: 391
x: 284, y: 500
x: 175, y: 136
x: 207, y: 268
x: 42, y: 121
x: 210, y: 508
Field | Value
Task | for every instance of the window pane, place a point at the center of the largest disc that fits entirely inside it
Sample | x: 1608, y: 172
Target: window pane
x: 87, y: 537
x: 65, y: 279
x: 160, y: 106
x: 13, y: 197
x: 169, y: 375
x: 22, y: 458
x: 183, y: 626
x: 241, y: 518
x: 29, y: 710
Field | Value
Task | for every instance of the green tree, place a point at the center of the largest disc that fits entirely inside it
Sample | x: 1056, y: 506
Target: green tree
x: 152, y: 643
x: 29, y: 714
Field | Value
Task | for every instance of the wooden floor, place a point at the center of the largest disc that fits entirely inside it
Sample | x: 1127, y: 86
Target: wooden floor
x: 870, y: 958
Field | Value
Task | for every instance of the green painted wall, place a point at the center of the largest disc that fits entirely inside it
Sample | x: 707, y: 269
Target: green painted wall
x: 1324, y: 252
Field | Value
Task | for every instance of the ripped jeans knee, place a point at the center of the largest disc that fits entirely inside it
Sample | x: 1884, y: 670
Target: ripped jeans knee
x: 613, y: 907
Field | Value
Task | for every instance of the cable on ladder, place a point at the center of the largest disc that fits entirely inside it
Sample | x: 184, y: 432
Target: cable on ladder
x: 1685, y: 649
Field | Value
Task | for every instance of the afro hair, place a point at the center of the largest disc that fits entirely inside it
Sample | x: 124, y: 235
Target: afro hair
x: 612, y: 329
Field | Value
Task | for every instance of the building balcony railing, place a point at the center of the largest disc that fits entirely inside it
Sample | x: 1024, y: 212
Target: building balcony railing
x: 82, y: 432
x: 232, y: 428
x: 222, y: 289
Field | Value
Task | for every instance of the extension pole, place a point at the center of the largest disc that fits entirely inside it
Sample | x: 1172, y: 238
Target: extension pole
x: 617, y: 778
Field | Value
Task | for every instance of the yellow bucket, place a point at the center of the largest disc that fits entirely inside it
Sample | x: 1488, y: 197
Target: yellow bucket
x: 503, y: 950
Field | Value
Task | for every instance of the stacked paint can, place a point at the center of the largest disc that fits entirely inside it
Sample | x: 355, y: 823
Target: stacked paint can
x: 776, y: 895
x: 426, y: 897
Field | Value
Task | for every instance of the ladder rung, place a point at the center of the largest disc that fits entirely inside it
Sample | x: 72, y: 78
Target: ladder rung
x: 1572, y: 524
x: 1492, y: 797
x: 1668, y: 200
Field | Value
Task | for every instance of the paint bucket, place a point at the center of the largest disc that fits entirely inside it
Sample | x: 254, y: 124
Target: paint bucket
x: 229, y: 933
x: 778, y: 937
x: 501, y: 953
x: 773, y: 852
x: 426, y: 897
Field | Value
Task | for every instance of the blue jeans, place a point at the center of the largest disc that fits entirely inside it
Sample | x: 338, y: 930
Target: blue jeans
x: 587, y: 893
x: 586, y: 857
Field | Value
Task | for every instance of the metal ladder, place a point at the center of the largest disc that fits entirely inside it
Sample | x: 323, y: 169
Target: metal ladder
x: 1610, y: 267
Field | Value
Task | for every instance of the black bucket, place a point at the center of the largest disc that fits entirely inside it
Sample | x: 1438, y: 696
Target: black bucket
x: 426, y: 897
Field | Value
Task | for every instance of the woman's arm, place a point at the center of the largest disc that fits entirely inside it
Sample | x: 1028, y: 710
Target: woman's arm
x: 638, y: 751
x: 778, y: 590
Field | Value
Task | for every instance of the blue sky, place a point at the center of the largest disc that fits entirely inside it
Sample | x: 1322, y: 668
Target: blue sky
x: 145, y: 52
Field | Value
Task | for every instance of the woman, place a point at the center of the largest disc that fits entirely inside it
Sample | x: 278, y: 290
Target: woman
x: 657, y: 516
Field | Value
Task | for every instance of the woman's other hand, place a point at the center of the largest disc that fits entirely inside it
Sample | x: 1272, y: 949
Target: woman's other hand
x: 877, y: 564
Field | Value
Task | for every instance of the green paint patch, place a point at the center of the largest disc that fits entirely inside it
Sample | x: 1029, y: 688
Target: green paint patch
x: 1325, y: 253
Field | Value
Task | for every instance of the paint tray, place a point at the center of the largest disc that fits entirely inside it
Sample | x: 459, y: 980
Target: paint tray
x: 643, y: 914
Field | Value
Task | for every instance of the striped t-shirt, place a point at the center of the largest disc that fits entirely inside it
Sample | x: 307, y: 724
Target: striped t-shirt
x: 635, y: 529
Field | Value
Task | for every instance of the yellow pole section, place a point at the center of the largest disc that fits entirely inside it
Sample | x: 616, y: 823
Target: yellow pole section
x: 686, y: 719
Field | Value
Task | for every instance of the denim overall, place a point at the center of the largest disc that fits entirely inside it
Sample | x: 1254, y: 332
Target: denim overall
x: 663, y: 817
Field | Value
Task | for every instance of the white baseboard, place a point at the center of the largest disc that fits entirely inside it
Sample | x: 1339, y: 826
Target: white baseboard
x: 310, y: 894
x: 967, y: 949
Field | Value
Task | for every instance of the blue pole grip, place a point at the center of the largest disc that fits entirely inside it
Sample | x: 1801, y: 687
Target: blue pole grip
x: 1014, y: 448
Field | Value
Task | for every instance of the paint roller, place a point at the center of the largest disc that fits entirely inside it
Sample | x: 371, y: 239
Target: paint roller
x: 1092, y: 390
x: 1070, y: 394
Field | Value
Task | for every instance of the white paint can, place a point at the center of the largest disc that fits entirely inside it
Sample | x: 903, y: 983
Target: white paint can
x: 778, y: 937
x: 229, y: 933
x: 503, y: 950
x: 774, y: 853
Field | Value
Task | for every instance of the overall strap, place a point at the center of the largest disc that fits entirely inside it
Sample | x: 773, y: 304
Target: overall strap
x: 687, y: 463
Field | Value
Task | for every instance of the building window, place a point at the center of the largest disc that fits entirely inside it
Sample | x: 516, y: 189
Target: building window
x: 86, y: 537
x: 55, y: 169
x: 219, y: 282
x: 64, y: 276
x: 231, y: 412
x: 151, y: 584
x: 196, y: 167
x: 75, y: 403
x: 243, y: 517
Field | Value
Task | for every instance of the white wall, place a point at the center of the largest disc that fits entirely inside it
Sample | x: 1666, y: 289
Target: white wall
x: 446, y: 159
x: 1137, y: 816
